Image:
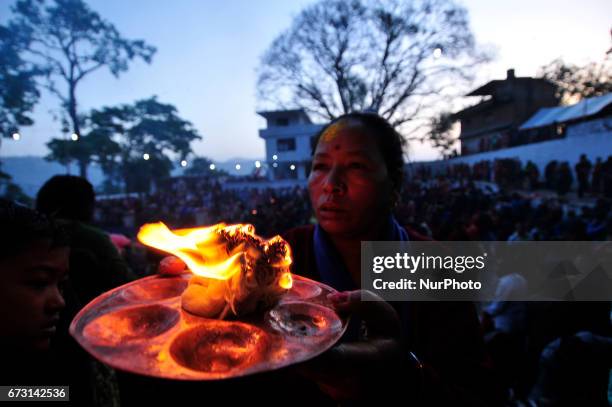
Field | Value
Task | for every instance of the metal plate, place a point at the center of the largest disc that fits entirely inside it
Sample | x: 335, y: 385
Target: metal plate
x: 141, y: 328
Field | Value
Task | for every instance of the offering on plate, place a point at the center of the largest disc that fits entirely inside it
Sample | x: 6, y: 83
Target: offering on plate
x: 235, y: 272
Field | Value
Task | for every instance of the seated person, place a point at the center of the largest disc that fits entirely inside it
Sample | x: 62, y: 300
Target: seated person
x: 95, y: 263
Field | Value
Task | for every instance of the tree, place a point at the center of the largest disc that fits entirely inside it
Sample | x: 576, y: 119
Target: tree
x: 120, y: 137
x: 200, y: 166
x: 395, y: 58
x: 156, y: 130
x: 443, y: 134
x: 18, y: 91
x: 69, y: 41
x: 577, y: 82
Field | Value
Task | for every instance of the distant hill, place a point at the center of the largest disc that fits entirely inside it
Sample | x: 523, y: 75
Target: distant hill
x: 247, y: 165
x: 30, y: 172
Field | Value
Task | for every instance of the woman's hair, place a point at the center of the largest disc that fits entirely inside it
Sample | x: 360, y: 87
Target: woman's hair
x: 389, y: 141
x: 67, y: 197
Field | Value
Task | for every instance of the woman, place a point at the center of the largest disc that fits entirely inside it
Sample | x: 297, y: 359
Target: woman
x: 354, y: 184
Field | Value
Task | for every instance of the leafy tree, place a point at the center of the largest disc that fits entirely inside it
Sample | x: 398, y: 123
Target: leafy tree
x: 577, y: 82
x: 200, y: 166
x: 120, y: 137
x: 69, y: 41
x: 396, y: 58
x: 157, y: 130
x: 443, y: 134
x: 18, y: 92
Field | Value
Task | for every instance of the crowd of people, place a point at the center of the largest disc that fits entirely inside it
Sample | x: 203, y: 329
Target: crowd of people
x: 594, y: 179
x: 187, y: 202
x: 449, y: 207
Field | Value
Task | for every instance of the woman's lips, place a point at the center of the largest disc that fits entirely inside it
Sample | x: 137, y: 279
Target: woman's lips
x: 331, y: 211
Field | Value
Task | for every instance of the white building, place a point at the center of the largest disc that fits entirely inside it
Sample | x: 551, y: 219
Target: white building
x: 289, y: 137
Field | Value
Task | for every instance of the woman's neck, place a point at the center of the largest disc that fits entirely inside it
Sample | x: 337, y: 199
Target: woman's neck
x: 349, y: 248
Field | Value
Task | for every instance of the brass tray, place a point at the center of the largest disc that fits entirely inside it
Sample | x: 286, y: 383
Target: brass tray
x: 141, y: 328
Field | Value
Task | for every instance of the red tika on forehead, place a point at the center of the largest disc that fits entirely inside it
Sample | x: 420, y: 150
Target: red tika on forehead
x: 335, y: 129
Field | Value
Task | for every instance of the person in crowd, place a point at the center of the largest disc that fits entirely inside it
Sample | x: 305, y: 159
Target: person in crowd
x: 35, y: 298
x: 551, y: 174
x: 520, y: 233
x: 533, y: 175
x: 355, y: 182
x: 96, y: 265
x: 606, y: 179
x: 597, y: 173
x: 33, y: 265
x: 583, y: 172
x: 564, y: 178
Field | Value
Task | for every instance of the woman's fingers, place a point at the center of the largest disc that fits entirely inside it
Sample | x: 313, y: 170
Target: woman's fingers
x: 379, y: 316
x: 171, y: 265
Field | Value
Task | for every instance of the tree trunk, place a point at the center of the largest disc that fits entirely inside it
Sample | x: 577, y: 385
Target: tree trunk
x: 83, y: 169
x: 76, y: 128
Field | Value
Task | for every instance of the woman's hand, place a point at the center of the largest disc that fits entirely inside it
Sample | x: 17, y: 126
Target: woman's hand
x: 350, y: 370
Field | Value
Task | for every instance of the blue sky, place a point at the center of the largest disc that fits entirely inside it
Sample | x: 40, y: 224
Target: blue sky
x: 208, y: 52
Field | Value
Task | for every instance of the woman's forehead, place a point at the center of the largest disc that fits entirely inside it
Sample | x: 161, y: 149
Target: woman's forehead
x: 347, y: 138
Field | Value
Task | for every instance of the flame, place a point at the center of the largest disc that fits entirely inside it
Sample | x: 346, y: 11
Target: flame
x: 207, y: 254
x: 286, y: 281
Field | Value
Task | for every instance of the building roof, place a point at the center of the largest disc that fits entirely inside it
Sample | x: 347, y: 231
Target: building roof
x: 275, y: 114
x: 490, y: 87
x: 561, y: 114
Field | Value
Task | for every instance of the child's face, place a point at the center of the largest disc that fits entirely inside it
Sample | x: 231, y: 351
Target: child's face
x: 30, y: 295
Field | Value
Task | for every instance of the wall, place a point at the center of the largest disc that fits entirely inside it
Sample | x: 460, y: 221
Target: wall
x: 593, y: 144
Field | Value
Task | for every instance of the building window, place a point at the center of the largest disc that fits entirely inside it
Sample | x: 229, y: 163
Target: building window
x: 283, y: 121
x: 285, y: 144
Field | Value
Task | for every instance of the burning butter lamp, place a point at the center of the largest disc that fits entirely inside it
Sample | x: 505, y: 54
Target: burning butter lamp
x: 235, y: 272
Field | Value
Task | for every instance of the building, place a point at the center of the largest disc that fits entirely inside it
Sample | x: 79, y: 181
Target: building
x: 589, y: 116
x: 289, y: 137
x: 561, y: 133
x: 493, y: 123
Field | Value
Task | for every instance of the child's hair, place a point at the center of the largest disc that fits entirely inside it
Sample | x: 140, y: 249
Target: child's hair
x: 20, y: 227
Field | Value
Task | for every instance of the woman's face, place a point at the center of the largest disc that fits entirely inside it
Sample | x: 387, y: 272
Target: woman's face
x: 349, y: 185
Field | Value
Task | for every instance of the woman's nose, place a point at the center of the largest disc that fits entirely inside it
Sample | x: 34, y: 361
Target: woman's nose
x: 334, y: 182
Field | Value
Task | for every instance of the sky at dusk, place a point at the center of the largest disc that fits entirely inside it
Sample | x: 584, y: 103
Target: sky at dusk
x: 208, y: 52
